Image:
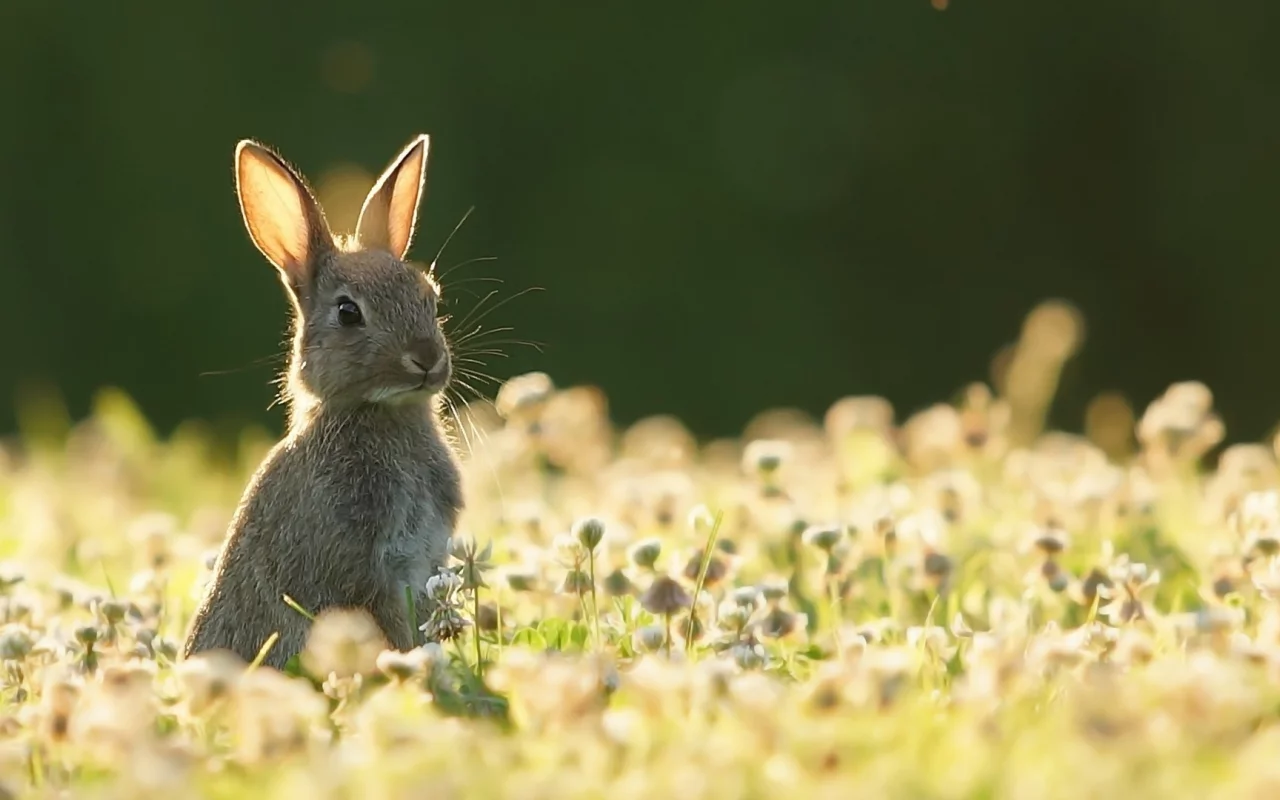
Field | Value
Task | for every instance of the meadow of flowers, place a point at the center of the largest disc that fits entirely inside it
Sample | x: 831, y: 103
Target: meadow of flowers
x: 950, y: 603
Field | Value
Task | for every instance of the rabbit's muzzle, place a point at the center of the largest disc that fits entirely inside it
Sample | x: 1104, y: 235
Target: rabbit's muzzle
x: 429, y: 359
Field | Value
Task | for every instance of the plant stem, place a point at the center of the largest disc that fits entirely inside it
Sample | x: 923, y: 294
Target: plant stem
x: 833, y: 593
x: 500, y: 639
x: 475, y: 596
x: 412, y: 613
x: 595, y: 606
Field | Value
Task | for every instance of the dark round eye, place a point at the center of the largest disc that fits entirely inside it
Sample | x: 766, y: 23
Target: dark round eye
x: 349, y: 312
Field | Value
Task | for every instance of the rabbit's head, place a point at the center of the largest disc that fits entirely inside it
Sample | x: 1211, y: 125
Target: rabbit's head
x: 366, y: 328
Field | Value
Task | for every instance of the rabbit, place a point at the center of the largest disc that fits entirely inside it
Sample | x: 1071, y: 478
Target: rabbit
x: 358, y: 502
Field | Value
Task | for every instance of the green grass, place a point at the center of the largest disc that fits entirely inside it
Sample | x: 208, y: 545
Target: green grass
x: 906, y: 614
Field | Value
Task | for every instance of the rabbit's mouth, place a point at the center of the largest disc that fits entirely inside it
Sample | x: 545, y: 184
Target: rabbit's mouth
x: 434, y: 378
x: 420, y: 384
x: 432, y: 383
x: 437, y: 377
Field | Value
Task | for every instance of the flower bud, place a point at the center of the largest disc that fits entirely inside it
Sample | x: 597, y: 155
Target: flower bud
x: 589, y: 532
x: 823, y: 537
x: 644, y: 554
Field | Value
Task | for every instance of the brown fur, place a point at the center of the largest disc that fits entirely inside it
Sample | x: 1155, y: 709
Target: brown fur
x: 358, y: 501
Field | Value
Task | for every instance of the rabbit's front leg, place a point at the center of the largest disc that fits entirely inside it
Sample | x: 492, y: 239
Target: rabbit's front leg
x: 392, y: 615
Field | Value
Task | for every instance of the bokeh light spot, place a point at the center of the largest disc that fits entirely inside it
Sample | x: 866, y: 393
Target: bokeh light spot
x: 347, y: 67
x: 342, y: 189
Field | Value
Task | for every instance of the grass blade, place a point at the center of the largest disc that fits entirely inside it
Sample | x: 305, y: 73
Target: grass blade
x: 262, y: 651
x: 111, y: 589
x: 707, y: 553
x: 291, y: 603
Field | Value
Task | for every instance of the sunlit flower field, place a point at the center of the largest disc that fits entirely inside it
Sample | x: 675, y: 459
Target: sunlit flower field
x: 951, y: 602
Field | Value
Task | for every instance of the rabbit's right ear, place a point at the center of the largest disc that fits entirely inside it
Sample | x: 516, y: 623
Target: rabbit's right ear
x: 282, y: 217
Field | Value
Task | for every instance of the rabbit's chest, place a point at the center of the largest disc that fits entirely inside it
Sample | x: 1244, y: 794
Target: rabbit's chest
x: 391, y: 486
x: 413, y: 549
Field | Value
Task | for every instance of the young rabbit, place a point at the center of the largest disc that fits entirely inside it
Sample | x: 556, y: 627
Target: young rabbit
x: 358, y: 502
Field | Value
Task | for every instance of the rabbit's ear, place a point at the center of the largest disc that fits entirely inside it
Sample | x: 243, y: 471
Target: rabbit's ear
x: 283, y: 218
x: 390, y: 211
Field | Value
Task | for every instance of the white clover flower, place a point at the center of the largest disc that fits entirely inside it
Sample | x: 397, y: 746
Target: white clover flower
x: 933, y: 637
x: 748, y: 655
x: 700, y: 519
x: 747, y: 597
x: 734, y: 616
x: 765, y: 456
x: 344, y: 642
x: 1260, y: 510
x: 823, y: 537
x: 445, y: 620
x: 568, y: 550
x: 649, y: 638
x: 444, y: 624
x: 16, y: 642
x: 522, y: 393
x: 443, y: 586
x: 401, y: 666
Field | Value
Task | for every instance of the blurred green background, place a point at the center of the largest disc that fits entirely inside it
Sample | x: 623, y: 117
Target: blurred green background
x: 729, y: 207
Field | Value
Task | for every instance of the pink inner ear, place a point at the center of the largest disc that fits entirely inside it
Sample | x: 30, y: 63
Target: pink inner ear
x: 403, y: 211
x: 273, y: 210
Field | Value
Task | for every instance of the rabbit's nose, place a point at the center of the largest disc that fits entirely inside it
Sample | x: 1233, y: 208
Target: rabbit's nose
x: 424, y: 355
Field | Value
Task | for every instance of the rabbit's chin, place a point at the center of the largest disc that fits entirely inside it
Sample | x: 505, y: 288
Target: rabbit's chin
x: 401, y: 395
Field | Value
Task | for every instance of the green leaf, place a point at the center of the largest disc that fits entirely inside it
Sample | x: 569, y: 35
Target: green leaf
x: 529, y: 637
x: 578, y: 634
x: 555, y: 632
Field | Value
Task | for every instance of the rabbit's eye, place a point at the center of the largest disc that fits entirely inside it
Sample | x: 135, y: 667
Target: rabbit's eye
x: 349, y: 312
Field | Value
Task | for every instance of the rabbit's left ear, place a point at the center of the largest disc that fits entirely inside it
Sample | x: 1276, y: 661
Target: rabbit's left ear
x: 390, y: 212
